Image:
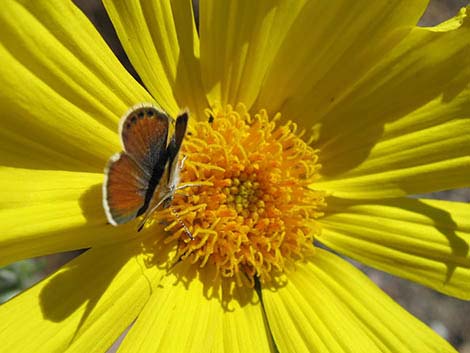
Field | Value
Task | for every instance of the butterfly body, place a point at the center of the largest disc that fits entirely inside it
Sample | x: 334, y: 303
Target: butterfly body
x: 148, y: 166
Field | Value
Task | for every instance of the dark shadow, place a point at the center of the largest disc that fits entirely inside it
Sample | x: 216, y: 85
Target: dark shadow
x: 91, y: 204
x: 223, y: 290
x: 441, y: 219
x: 376, y: 110
x: 460, y: 83
x: 113, y: 250
x: 79, y: 276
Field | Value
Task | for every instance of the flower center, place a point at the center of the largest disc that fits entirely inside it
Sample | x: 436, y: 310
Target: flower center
x: 257, y: 214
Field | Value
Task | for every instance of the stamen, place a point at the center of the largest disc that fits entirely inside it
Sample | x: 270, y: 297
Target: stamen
x: 250, y: 208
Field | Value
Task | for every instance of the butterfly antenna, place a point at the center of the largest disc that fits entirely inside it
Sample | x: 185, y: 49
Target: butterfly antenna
x: 186, y: 229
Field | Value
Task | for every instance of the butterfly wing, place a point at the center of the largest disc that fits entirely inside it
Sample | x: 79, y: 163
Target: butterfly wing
x: 132, y: 176
x: 124, y: 189
x: 144, y: 135
x: 174, y: 147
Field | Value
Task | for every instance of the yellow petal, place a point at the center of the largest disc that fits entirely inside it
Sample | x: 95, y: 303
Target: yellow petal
x: 181, y: 315
x: 327, y: 305
x: 418, y: 160
x: 161, y: 41
x: 238, y: 42
x: 426, y: 241
x: 62, y: 86
x: 404, y: 128
x: 44, y: 212
x: 328, y: 48
x: 84, y: 306
x: 209, y: 317
x: 243, y: 327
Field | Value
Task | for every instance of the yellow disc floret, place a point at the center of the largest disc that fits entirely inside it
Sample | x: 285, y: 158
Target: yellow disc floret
x: 256, y: 213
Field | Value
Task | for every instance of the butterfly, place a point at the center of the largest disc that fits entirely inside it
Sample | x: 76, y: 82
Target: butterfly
x: 147, y: 170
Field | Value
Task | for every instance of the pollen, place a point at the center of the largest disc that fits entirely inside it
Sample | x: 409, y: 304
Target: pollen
x: 252, y: 208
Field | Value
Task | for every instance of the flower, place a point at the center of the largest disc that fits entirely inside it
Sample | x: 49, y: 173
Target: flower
x: 383, y: 109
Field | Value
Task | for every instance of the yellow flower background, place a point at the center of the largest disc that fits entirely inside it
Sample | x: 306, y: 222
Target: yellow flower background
x: 387, y: 103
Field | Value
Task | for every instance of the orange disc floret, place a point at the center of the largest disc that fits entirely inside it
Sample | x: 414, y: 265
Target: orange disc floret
x: 256, y: 213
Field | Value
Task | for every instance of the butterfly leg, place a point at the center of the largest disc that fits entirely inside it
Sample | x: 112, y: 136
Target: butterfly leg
x: 182, y: 162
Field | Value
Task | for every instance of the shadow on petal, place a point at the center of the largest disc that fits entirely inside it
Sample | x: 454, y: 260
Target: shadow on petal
x: 77, y: 284
x: 440, y: 219
x: 391, y: 92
